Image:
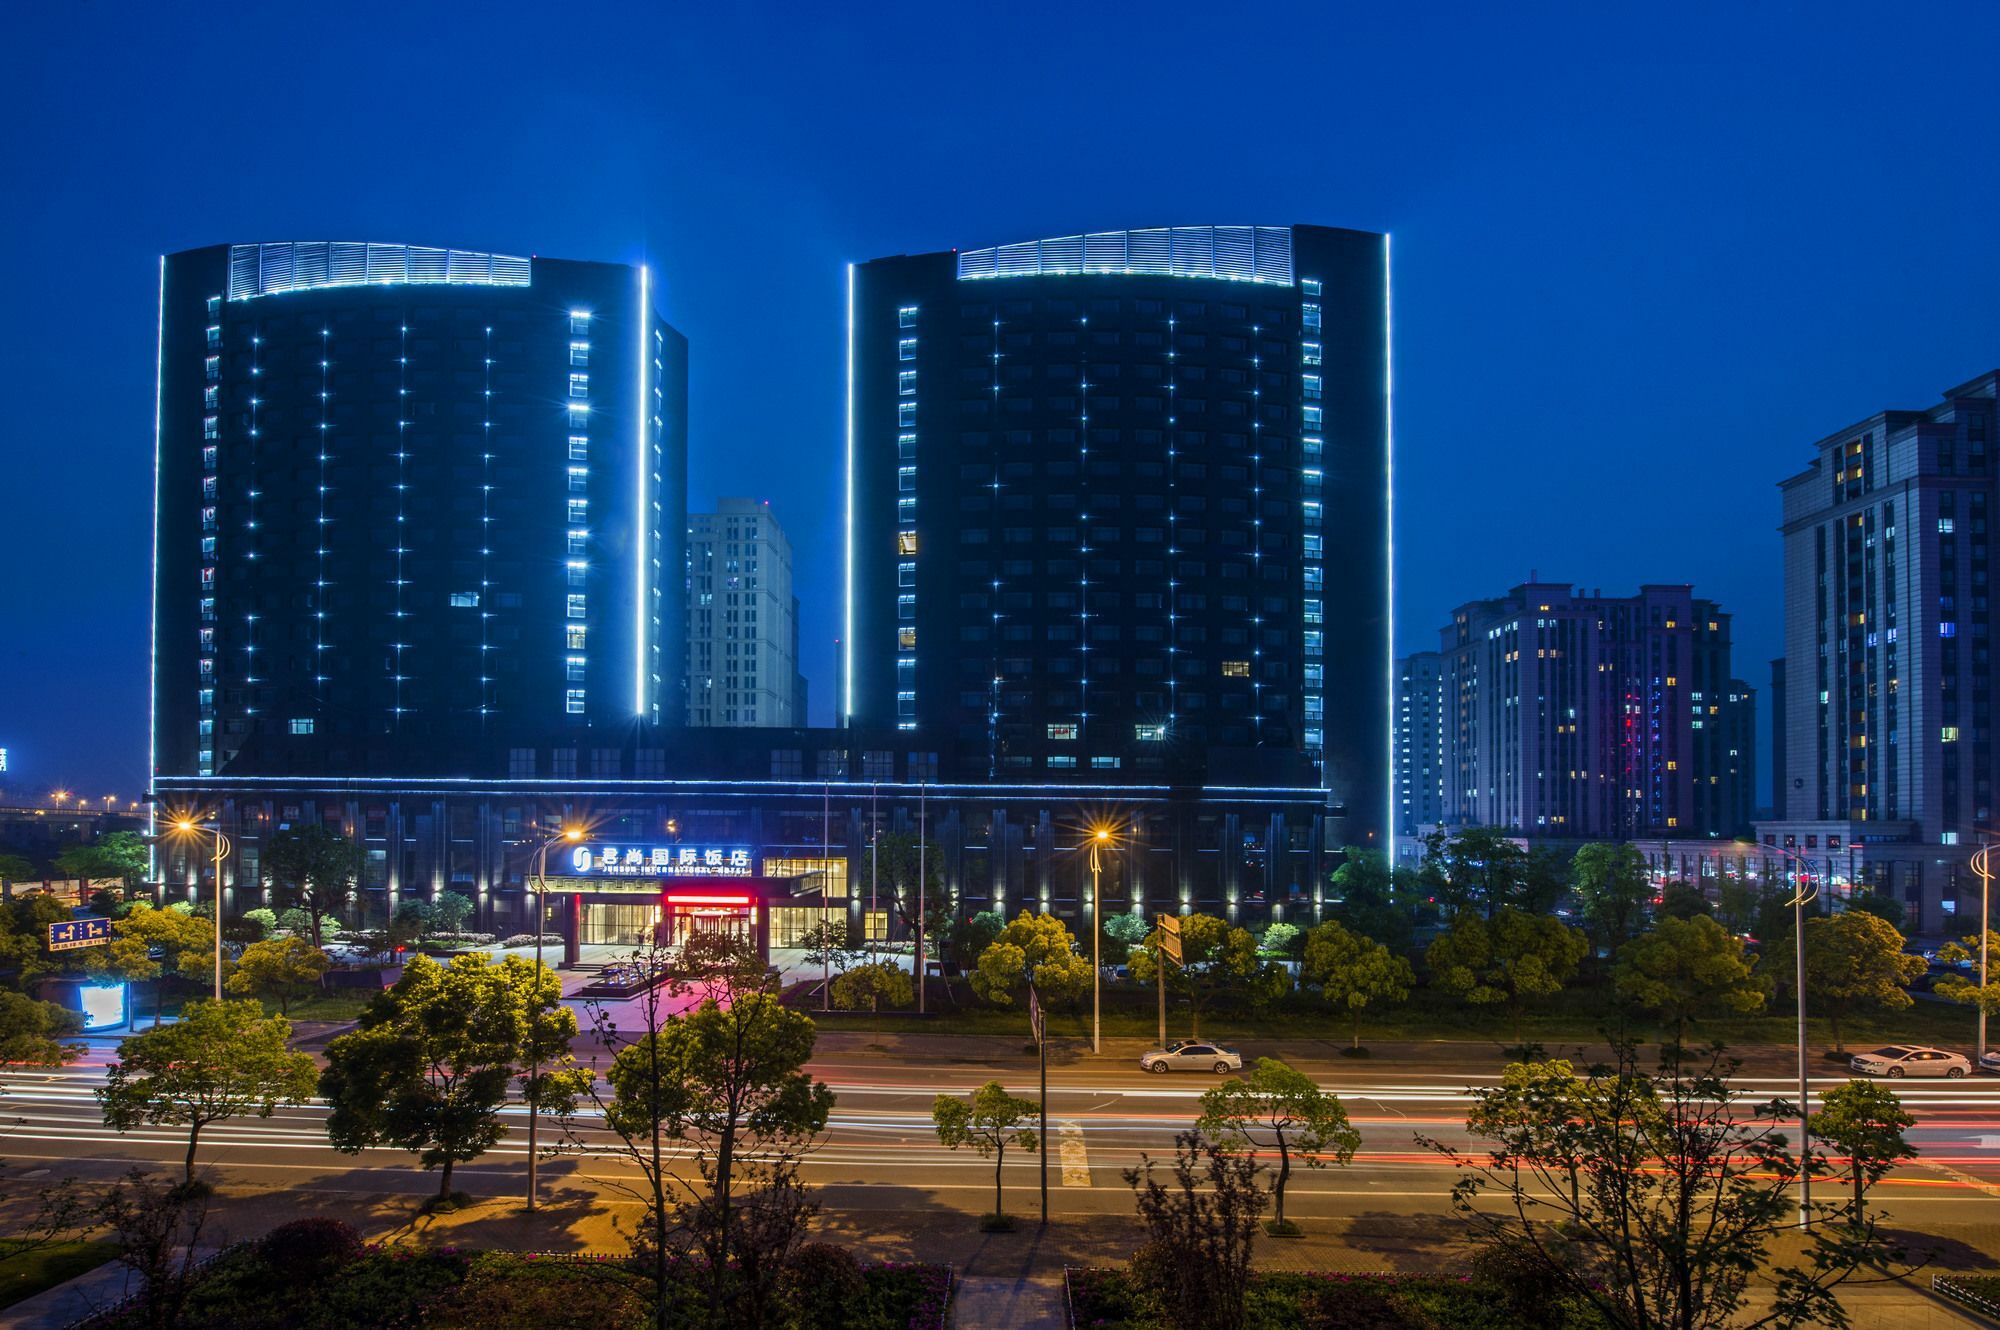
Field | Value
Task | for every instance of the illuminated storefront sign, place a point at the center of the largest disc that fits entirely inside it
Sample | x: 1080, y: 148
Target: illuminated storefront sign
x: 659, y: 861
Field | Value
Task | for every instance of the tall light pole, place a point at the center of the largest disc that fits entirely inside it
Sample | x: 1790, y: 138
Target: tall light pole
x: 1098, y: 838
x: 189, y: 827
x: 1981, y: 863
x: 569, y: 835
x: 1801, y: 897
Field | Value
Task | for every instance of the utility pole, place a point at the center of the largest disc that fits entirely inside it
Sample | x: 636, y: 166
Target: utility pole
x: 1982, y: 865
x: 922, y: 848
x: 1038, y: 1021
x: 1167, y: 944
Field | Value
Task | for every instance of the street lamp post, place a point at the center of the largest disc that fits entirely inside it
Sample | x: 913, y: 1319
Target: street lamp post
x: 1981, y: 863
x: 570, y: 834
x: 1801, y: 897
x: 1097, y: 840
x: 188, y: 826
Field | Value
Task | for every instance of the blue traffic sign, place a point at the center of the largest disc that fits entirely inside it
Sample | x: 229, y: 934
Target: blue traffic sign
x: 79, y: 933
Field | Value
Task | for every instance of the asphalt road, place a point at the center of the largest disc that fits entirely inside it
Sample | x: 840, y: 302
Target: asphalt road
x: 880, y: 1152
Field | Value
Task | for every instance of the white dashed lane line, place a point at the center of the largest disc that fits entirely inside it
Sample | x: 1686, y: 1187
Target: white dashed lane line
x: 1075, y: 1159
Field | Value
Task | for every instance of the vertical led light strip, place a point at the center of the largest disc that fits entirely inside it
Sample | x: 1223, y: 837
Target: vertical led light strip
x: 153, y: 644
x: 847, y: 646
x: 1389, y: 533
x: 640, y: 528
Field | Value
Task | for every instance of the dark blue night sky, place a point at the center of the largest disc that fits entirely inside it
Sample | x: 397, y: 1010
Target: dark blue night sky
x: 1640, y: 265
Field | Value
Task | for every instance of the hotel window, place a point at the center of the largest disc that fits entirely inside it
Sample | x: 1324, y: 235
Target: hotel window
x: 576, y: 607
x: 906, y: 607
x: 573, y: 701
x: 906, y: 574
x: 1149, y: 733
x: 1315, y: 707
x: 906, y: 348
x: 906, y: 478
x: 906, y: 510
x: 1066, y: 732
x: 574, y: 635
x: 579, y: 479
x: 579, y: 321
x: 579, y: 353
x: 577, y: 541
x: 579, y: 510
x: 573, y: 666
x: 906, y: 414
x: 577, y: 569
x: 579, y: 385
x: 906, y: 542
x: 302, y: 725
x: 1235, y: 669
x: 1315, y: 643
x: 906, y: 316
x: 579, y: 448
x: 1310, y: 352
x: 906, y: 447
x: 906, y: 382
x: 906, y: 639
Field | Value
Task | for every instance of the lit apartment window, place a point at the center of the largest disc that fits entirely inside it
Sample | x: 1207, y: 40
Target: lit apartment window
x: 1309, y: 316
x: 574, y: 636
x: 906, y: 478
x: 579, y: 510
x: 579, y: 448
x: 211, y: 427
x: 576, y: 606
x: 906, y: 639
x: 573, y: 701
x: 579, y: 353
x: 1063, y: 760
x: 579, y: 479
x: 906, y: 510
x: 579, y: 321
x: 906, y: 542
x: 906, y: 414
x: 906, y: 316
x: 214, y: 338
x: 1235, y: 669
x: 302, y: 725
x: 465, y: 600
x: 577, y: 569
x: 1944, y: 526
x: 1104, y: 763
x: 575, y: 666
x: 1149, y: 733
x: 1309, y: 286
x: 1311, y: 416
x: 214, y: 307
x: 579, y: 385
x: 1315, y: 611
x: 208, y: 458
x: 1949, y: 734
x: 906, y: 348
x: 1315, y: 676
x: 906, y: 607
x: 212, y: 367
x: 1065, y: 732
x: 1310, y: 352
x: 906, y: 382
x: 577, y: 541
x: 211, y: 397
x: 906, y: 574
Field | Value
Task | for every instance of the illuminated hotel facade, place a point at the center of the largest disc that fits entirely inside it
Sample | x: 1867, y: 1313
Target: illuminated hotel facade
x: 1119, y: 509
x: 330, y: 589
x: 409, y: 498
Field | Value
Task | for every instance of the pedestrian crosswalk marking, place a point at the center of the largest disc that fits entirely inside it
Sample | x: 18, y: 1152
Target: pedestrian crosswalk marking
x: 1075, y: 1160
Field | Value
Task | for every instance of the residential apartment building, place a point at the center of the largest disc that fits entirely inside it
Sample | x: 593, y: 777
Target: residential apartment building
x: 1420, y: 746
x: 743, y: 635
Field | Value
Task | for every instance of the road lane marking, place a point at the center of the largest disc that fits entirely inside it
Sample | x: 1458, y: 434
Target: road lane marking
x: 1075, y: 1160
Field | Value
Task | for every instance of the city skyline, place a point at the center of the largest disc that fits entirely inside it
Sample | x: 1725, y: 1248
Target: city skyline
x: 1783, y: 337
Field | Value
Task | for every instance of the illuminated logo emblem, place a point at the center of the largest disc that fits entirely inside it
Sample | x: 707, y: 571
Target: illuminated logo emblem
x: 579, y: 859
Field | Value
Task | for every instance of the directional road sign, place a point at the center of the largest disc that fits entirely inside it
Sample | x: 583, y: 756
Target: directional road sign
x: 74, y: 933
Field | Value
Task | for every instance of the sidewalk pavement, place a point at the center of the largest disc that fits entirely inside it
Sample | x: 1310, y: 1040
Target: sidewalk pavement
x: 998, y: 1302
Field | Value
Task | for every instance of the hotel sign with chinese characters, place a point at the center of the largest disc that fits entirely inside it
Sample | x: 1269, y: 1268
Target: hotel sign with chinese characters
x: 658, y: 861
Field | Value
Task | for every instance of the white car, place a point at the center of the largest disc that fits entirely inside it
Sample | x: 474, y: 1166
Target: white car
x: 1991, y: 1062
x: 1192, y: 1057
x: 1899, y: 1060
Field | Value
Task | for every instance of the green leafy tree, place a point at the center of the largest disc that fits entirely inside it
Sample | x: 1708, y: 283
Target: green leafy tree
x: 1684, y: 969
x: 872, y: 986
x: 1354, y: 972
x: 1277, y: 1107
x: 219, y: 1060
x: 1682, y: 900
x: 972, y: 935
x: 745, y: 1106
x: 1482, y: 868
x: 1373, y: 899
x: 1878, y: 904
x: 1865, y: 1121
x: 1966, y: 989
x: 184, y: 943
x: 1512, y: 961
x: 450, y: 911
x: 416, y: 915
x: 315, y: 869
x: 720, y: 968
x: 36, y: 1034
x: 989, y: 1122
x: 116, y: 854
x: 24, y: 939
x: 1611, y: 888
x: 265, y: 921
x: 1655, y: 1199
x: 1736, y: 904
x: 1034, y: 949
x: 17, y: 868
x: 428, y: 1066
x: 1216, y: 959
x: 1856, y: 962
x: 1280, y: 939
x: 281, y: 969
x: 1123, y: 931
x: 1544, y: 882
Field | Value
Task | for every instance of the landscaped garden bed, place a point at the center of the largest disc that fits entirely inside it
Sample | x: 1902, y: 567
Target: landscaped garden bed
x: 315, y: 1276
x: 1109, y: 1299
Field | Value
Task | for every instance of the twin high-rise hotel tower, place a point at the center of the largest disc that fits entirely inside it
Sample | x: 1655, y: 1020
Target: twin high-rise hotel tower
x: 1117, y: 556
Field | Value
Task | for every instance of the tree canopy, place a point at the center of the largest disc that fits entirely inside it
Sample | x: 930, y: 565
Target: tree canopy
x: 1865, y: 1121
x: 1856, y: 962
x: 1611, y: 888
x: 1217, y: 959
x: 219, y: 1060
x: 1354, y: 972
x: 280, y: 968
x: 1511, y: 962
x: 989, y: 1121
x: 1277, y: 1107
x: 313, y: 868
x: 1037, y: 949
x: 1684, y: 969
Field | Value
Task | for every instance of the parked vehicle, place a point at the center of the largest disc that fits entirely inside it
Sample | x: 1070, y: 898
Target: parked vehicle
x: 1183, y: 1055
x: 1899, y: 1060
x: 1991, y: 1062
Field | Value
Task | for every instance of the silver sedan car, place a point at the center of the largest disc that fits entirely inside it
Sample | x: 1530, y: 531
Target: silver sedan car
x: 1900, y: 1060
x: 1192, y: 1056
